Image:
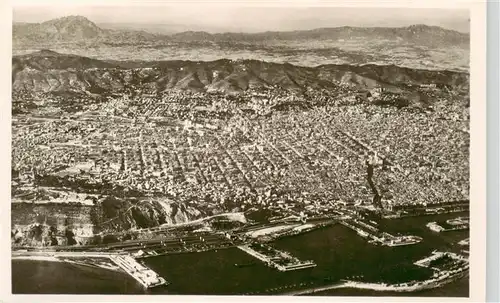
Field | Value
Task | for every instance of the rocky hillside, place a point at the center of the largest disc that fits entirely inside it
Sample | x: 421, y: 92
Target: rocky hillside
x: 47, y: 71
x: 76, y: 224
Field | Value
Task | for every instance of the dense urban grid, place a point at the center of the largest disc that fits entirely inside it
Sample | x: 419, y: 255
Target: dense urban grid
x: 221, y: 154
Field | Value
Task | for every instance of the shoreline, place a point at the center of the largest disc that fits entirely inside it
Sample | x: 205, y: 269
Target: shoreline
x: 68, y: 261
x: 418, y: 286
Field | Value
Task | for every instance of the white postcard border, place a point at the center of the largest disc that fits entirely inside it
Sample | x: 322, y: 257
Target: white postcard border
x: 477, y: 156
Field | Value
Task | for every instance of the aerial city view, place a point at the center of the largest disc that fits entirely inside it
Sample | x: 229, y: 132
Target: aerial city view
x: 256, y: 151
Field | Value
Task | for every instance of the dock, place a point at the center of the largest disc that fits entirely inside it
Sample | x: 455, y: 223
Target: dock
x: 274, y: 258
x: 374, y: 236
x: 147, y: 277
x: 459, y: 223
x: 435, y: 255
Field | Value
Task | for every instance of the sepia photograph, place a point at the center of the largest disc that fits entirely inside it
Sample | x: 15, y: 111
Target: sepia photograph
x: 209, y: 149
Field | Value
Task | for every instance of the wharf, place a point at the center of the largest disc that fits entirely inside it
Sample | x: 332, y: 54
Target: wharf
x: 375, y: 236
x: 147, y: 277
x: 437, y: 255
x: 450, y: 225
x: 426, y: 261
x: 281, y: 260
x: 464, y: 242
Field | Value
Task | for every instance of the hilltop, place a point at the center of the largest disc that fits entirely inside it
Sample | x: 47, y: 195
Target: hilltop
x: 71, y: 29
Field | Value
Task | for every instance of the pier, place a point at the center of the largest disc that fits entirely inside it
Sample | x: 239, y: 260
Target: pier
x: 426, y: 261
x: 274, y: 258
x: 460, y: 223
x: 375, y: 236
x: 147, y: 277
x: 436, y: 255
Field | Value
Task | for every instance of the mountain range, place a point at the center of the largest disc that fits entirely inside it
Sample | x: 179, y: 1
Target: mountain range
x: 48, y: 71
x: 80, y: 29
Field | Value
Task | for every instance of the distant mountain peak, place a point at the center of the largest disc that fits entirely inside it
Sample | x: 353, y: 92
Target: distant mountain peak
x: 69, y: 28
x: 193, y: 35
x: 71, y: 19
x: 420, y: 25
x: 46, y: 52
x: 425, y: 27
x: 72, y: 22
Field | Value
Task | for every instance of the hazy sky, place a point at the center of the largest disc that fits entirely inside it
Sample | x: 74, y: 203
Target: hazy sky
x: 251, y: 19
